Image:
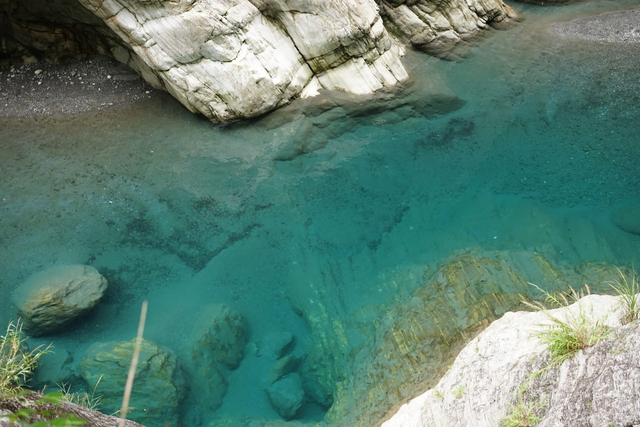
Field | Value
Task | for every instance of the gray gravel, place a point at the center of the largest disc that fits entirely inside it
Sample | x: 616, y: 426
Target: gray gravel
x: 92, y: 84
x: 611, y: 27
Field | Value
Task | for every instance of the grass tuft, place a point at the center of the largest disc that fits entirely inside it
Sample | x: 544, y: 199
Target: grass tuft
x: 564, y: 338
x: 17, y: 363
x: 522, y: 414
x: 627, y: 288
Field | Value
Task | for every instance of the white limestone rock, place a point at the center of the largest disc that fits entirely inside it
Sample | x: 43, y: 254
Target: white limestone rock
x: 598, y: 386
x: 231, y: 59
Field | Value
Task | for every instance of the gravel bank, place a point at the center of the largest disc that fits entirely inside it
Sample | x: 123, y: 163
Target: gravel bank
x: 92, y: 84
x: 611, y: 27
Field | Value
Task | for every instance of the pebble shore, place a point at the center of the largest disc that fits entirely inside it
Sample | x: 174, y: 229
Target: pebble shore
x: 88, y: 85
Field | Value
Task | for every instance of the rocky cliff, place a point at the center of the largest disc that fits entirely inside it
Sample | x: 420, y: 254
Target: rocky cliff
x: 505, y: 372
x: 232, y: 59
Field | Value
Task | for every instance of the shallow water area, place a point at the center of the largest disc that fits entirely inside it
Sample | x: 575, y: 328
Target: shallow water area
x: 318, y: 219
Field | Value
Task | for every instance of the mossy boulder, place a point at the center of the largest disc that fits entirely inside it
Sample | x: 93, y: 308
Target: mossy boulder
x: 158, y: 387
x: 53, y: 298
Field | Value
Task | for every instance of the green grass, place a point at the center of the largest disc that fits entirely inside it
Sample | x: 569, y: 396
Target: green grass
x: 522, y: 414
x: 577, y: 331
x: 627, y: 288
x: 16, y: 362
x: 88, y: 400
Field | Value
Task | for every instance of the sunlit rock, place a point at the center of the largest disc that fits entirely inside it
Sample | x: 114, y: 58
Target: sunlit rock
x: 53, y: 298
x: 159, y: 382
x: 438, y: 27
x: 233, y: 59
x: 505, y: 366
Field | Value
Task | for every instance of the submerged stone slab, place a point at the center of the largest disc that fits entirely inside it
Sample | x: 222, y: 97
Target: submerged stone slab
x: 53, y: 298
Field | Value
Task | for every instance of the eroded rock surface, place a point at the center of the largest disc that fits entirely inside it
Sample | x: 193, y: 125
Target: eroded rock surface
x: 232, y: 59
x: 52, y: 298
x: 598, y: 386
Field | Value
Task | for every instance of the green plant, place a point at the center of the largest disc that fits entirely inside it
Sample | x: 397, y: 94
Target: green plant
x: 438, y: 394
x: 458, y: 391
x: 627, y: 288
x: 522, y: 414
x: 578, y: 330
x: 16, y: 362
x: 83, y: 398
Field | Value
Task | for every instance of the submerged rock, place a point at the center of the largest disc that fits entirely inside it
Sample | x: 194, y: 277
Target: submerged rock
x: 53, y: 298
x: 287, y: 395
x: 159, y: 383
x: 218, y: 339
x: 492, y: 375
x: 627, y: 218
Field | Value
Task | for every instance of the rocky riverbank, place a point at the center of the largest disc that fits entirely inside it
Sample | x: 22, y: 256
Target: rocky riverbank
x: 95, y: 83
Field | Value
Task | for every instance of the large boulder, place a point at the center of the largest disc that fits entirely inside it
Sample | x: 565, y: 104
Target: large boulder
x: 159, y: 384
x: 55, y: 297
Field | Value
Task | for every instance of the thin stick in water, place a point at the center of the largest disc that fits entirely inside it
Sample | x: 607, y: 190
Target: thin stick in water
x: 132, y: 369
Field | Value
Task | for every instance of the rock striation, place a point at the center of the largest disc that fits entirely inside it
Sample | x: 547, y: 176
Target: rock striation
x: 506, y: 368
x: 233, y: 59
x: 53, y: 298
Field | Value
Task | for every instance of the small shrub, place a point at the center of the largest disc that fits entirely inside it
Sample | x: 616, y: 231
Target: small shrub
x: 627, y: 288
x: 16, y: 363
x: 564, y: 338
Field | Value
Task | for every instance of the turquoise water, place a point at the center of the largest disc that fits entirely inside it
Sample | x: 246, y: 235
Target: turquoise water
x: 526, y: 146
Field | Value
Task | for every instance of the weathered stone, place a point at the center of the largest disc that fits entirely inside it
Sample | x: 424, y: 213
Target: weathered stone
x: 598, y: 386
x: 52, y: 298
x: 159, y: 384
x: 219, y: 338
x: 220, y: 334
x: 232, y: 59
x: 287, y: 395
x: 627, y: 218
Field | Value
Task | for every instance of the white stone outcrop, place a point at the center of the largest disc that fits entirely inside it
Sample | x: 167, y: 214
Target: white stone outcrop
x: 232, y: 59
x: 434, y: 27
x: 598, y: 386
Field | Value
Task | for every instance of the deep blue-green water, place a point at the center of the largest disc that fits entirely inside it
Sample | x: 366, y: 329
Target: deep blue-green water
x: 527, y: 145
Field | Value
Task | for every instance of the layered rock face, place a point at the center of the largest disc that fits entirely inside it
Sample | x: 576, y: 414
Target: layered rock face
x: 436, y: 27
x: 233, y: 59
x: 236, y: 58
